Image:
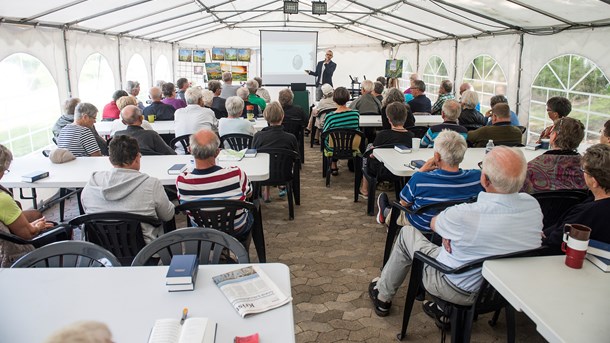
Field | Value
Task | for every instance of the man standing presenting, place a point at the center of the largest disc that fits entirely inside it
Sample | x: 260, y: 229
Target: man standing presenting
x: 323, y: 73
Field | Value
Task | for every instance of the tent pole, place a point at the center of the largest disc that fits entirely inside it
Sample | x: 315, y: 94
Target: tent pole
x: 455, y: 64
x: 519, y: 73
x: 417, y: 59
x: 67, y: 62
x: 120, y: 67
x: 174, y: 64
x: 152, y: 80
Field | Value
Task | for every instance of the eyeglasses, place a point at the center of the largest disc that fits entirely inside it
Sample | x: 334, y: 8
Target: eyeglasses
x: 480, y: 164
x: 584, y: 170
x: 7, y: 171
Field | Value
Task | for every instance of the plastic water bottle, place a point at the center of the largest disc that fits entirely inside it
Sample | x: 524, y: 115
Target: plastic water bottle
x: 489, y: 146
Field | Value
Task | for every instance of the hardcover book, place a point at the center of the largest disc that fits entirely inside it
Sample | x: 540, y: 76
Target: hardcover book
x: 182, y: 270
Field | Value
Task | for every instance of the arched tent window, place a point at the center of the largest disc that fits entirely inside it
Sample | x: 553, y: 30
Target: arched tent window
x: 162, y: 70
x: 96, y: 81
x: 583, y: 83
x: 136, y: 71
x: 487, y: 78
x: 434, y: 73
x: 407, y: 70
x: 29, y: 104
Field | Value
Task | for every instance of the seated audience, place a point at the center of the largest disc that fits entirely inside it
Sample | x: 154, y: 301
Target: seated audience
x: 169, y: 96
x: 468, y: 87
x: 118, y: 124
x: 497, y: 99
x: 78, y: 137
x: 195, y: 116
x: 291, y: 113
x: 211, y: 182
x: 444, y: 94
x: 558, y: 168
x: 243, y: 93
x: 25, y: 224
x: 111, y: 111
x: 420, y: 102
x: 235, y: 123
x: 228, y: 88
x: 149, y: 141
x: 67, y: 117
x: 157, y: 107
x: 218, y: 103
x: 593, y: 212
x: 252, y: 87
x: 556, y: 107
x: 439, y: 179
x: 395, y: 95
x: 125, y: 189
x: 366, y: 102
x: 183, y: 84
x: 82, y: 332
x: 274, y: 136
x: 450, y: 114
x: 470, y: 118
x: 378, y: 90
x: 133, y: 89
x: 397, y: 134
x: 325, y: 103
x: 262, y: 92
x: 501, y: 132
x: 341, y: 118
x: 604, y: 134
x: 500, y: 222
x: 408, y: 94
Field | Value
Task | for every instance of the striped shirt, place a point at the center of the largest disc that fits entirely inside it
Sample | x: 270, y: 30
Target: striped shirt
x: 434, y: 131
x: 438, y: 186
x: 78, y: 139
x: 215, y: 183
x: 341, y: 120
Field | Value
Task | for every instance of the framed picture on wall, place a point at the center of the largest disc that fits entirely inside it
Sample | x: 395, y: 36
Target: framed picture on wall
x: 393, y: 68
x: 218, y: 54
x: 199, y: 56
x: 185, y: 55
x: 230, y: 54
x: 213, y: 71
x: 239, y: 73
x: 243, y: 55
x: 198, y: 70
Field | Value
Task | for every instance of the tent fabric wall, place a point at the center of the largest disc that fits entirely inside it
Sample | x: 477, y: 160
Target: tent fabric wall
x: 45, y: 44
x: 81, y: 45
x: 443, y: 49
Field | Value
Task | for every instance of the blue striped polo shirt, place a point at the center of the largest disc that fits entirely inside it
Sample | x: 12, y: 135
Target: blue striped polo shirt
x: 438, y: 186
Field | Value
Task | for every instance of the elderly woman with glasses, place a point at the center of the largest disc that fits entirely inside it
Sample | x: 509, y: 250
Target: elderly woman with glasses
x: 78, y: 137
x: 25, y: 224
x: 593, y: 212
x: 558, y: 168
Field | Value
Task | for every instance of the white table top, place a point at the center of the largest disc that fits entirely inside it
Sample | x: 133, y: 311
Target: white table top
x: 395, y: 161
x: 162, y: 127
x: 567, y: 305
x: 76, y: 173
x: 38, y: 301
x: 420, y: 120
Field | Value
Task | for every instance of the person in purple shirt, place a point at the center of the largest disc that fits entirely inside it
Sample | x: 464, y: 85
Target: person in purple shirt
x: 169, y: 94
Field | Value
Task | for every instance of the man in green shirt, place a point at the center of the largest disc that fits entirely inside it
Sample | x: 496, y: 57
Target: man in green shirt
x: 252, y: 86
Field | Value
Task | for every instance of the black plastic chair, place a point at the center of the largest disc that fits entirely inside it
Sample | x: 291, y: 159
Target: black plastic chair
x: 220, y: 215
x: 296, y: 128
x: 374, y: 179
x: 433, y: 209
x: 68, y: 254
x: 314, y: 128
x: 211, y: 247
x: 284, y: 170
x: 488, y: 299
x: 183, y: 142
x: 236, y: 141
x: 61, y: 232
x: 418, y: 131
x: 555, y: 203
x: 343, y: 148
x: 119, y: 232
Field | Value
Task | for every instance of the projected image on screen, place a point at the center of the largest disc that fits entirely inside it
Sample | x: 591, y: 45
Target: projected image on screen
x: 286, y: 55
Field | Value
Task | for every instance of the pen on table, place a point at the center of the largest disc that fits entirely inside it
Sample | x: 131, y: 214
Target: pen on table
x: 409, y: 166
x: 185, y: 312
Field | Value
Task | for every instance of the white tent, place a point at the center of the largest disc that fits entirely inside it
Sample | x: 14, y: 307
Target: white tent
x: 528, y: 49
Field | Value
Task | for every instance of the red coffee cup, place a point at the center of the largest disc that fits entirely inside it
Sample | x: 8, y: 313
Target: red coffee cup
x: 575, y: 243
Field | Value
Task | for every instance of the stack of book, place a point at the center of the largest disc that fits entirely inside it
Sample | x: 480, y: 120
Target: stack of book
x: 599, y: 254
x: 182, y: 273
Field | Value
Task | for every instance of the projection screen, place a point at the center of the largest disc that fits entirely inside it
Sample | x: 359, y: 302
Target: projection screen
x: 285, y: 55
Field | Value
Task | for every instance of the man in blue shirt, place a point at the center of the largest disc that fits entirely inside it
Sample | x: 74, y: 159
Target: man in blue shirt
x: 440, y: 179
x: 499, y: 99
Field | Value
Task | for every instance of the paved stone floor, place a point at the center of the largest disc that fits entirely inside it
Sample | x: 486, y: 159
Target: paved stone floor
x: 333, y: 250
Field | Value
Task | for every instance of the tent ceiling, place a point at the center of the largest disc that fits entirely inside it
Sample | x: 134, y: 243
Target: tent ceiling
x: 391, y: 21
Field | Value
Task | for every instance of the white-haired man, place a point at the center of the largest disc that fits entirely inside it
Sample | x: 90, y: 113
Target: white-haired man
x: 228, y: 88
x: 366, y: 102
x: 500, y: 222
x: 450, y: 114
x: 149, y: 141
x: 195, y: 116
x: 439, y: 179
x: 133, y: 89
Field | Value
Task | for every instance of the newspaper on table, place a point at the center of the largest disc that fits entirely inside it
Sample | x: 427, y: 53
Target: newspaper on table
x: 231, y: 155
x: 250, y: 290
